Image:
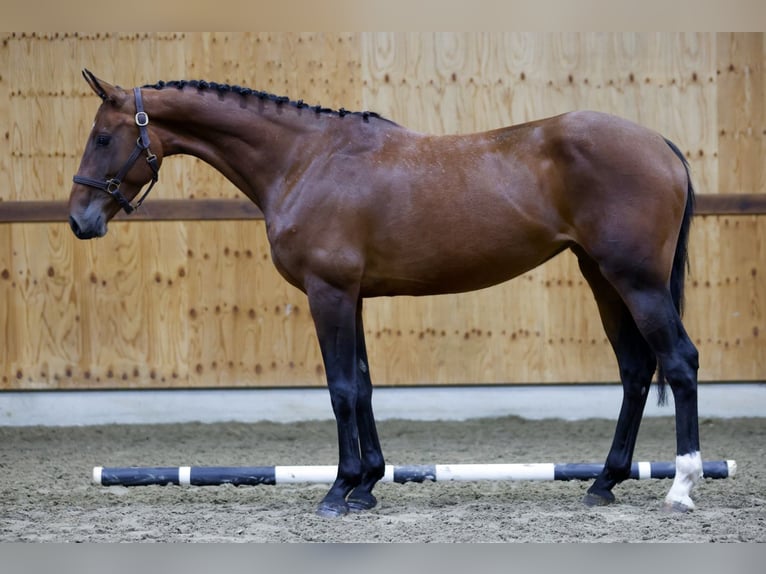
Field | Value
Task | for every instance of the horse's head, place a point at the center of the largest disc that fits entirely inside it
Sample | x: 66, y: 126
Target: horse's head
x: 110, y: 174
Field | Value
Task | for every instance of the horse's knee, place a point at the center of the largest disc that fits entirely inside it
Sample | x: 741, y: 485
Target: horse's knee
x: 343, y: 398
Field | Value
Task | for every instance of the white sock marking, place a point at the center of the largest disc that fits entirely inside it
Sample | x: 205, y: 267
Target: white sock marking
x: 688, y: 473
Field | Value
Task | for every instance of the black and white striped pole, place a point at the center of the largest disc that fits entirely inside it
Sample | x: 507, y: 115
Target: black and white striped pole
x: 269, y: 475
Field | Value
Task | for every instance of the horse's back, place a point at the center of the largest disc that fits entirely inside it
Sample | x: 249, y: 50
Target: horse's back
x: 418, y: 215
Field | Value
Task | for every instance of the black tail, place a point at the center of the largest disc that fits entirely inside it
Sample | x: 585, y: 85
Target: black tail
x: 681, y: 259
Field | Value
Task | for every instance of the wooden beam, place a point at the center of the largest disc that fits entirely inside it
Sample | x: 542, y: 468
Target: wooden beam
x: 239, y: 209
x: 152, y: 210
x: 731, y: 204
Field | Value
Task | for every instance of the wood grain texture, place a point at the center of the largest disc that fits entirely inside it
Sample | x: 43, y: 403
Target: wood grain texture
x: 185, y: 294
x: 726, y: 296
x: 741, y: 112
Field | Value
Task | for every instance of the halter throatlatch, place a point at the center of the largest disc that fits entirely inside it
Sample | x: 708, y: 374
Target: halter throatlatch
x: 112, y: 185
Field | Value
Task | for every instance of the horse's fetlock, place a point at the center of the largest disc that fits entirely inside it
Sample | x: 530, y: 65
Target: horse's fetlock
x: 619, y: 473
x: 377, y: 467
x: 351, y: 479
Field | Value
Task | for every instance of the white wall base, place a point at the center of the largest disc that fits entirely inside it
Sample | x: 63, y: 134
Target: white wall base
x: 72, y: 408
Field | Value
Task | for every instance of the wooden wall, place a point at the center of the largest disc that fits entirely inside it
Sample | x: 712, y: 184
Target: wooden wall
x: 198, y: 303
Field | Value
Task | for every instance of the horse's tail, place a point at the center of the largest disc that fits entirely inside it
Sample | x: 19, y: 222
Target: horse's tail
x: 681, y: 258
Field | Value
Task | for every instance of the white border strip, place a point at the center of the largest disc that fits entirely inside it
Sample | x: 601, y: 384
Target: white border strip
x: 568, y: 402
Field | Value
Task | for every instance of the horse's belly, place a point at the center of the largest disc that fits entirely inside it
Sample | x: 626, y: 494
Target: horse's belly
x: 442, y: 274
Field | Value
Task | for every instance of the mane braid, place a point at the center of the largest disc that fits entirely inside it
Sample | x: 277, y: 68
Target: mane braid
x: 247, y: 92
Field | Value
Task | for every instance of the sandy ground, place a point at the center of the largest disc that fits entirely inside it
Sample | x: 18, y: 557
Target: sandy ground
x: 46, y: 492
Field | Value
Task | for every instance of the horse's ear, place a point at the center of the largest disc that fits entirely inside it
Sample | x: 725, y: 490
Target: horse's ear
x: 104, y: 90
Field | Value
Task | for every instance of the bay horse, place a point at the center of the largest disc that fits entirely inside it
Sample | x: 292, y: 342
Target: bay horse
x: 357, y: 206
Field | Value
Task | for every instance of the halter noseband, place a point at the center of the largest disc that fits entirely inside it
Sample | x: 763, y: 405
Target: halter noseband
x: 112, y: 185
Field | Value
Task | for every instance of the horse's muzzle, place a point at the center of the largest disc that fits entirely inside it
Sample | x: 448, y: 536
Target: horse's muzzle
x: 86, y: 232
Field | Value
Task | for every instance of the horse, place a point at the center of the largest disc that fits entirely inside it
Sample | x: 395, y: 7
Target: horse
x: 357, y: 206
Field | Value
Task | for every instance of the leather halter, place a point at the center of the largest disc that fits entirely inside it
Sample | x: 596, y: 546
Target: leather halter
x: 112, y: 185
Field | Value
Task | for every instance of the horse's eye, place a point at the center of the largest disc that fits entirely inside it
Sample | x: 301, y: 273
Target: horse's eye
x: 102, y: 140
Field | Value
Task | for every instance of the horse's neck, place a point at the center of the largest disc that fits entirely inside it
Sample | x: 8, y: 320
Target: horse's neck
x: 249, y: 141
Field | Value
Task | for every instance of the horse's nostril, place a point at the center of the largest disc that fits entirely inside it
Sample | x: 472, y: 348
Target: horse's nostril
x: 75, y: 226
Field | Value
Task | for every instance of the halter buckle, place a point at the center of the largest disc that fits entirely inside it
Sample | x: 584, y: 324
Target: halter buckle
x: 112, y: 186
x: 142, y: 119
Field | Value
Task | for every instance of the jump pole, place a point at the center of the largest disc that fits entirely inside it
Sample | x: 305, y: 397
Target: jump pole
x: 270, y: 475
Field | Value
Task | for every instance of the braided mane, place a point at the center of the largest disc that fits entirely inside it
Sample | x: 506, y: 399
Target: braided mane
x: 247, y: 92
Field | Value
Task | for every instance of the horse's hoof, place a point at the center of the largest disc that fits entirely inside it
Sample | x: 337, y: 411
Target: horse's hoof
x: 676, y: 507
x: 361, y: 501
x: 591, y: 499
x: 332, y: 509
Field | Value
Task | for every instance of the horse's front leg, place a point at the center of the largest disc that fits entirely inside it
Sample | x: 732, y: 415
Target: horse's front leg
x: 334, y: 314
x: 373, y: 463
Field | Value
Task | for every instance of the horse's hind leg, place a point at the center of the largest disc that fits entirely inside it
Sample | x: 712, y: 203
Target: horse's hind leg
x: 637, y: 364
x: 655, y: 315
x: 678, y: 360
x: 373, y: 464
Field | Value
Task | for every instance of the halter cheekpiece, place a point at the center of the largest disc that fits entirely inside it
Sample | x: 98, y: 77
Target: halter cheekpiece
x: 112, y: 185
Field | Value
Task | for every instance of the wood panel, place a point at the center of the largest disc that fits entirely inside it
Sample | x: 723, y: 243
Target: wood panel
x: 247, y: 325
x: 741, y: 112
x: 170, y: 303
x: 5, y: 128
x: 726, y: 295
